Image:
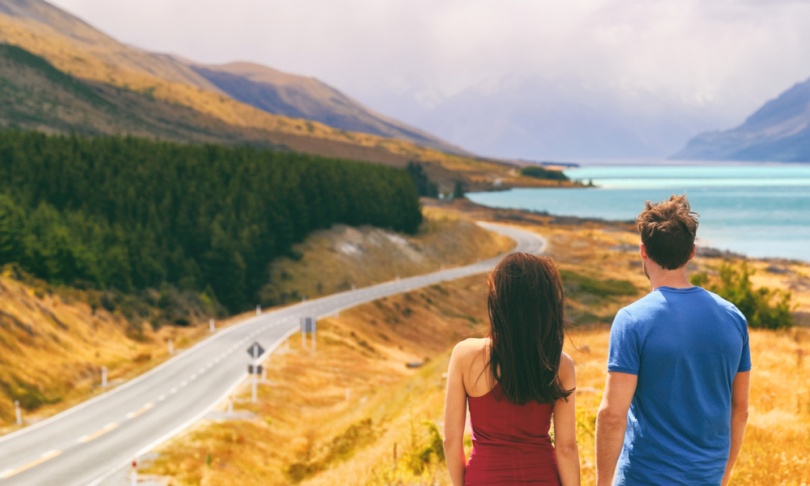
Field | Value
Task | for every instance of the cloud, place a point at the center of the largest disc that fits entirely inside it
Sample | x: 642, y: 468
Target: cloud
x: 704, y: 51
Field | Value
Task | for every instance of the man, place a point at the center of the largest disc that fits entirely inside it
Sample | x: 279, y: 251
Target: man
x: 676, y: 397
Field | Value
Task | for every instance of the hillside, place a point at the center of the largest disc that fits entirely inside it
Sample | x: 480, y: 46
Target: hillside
x: 285, y: 94
x: 77, y: 49
x: 779, y: 131
x: 37, y: 96
x: 55, y: 339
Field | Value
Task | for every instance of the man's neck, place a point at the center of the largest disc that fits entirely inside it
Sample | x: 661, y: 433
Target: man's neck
x: 675, y: 279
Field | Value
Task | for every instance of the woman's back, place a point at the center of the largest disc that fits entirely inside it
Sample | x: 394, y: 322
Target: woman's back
x: 514, y: 382
x: 511, y: 443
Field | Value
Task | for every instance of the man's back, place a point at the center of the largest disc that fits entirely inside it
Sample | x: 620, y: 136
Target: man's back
x: 686, y: 346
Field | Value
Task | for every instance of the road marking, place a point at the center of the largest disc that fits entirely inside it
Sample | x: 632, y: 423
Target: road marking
x: 47, y: 456
x: 95, y: 435
x: 161, y: 398
x: 173, y: 390
x: 192, y: 377
x: 141, y: 411
x: 184, y: 383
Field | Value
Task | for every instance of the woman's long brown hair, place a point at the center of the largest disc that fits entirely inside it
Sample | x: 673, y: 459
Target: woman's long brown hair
x: 527, y: 328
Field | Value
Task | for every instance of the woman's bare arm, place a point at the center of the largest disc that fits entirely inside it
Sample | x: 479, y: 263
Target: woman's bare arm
x: 565, y: 427
x: 455, y: 417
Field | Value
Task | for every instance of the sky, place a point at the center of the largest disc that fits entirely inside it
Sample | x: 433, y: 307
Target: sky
x: 731, y: 54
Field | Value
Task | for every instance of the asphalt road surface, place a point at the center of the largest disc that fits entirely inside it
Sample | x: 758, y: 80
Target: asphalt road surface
x: 89, y: 443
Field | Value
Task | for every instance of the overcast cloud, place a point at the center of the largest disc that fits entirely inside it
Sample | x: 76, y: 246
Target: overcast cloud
x: 733, y: 54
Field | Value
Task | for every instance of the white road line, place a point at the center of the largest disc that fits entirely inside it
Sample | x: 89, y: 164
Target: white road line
x: 183, y: 383
x: 141, y: 410
x: 47, y: 456
x: 173, y: 390
x: 161, y: 398
x: 87, y: 438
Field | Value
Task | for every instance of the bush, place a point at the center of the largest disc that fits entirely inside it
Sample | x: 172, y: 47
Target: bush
x: 763, y: 307
x: 541, y: 173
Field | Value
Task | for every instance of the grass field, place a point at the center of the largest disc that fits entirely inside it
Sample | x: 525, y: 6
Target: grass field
x: 354, y: 413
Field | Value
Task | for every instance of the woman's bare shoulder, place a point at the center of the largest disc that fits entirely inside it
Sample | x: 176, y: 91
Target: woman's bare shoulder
x: 470, y: 347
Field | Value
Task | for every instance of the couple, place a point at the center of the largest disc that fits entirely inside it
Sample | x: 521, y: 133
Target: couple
x: 675, y: 402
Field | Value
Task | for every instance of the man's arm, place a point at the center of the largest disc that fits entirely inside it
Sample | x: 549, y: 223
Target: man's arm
x: 611, y: 422
x: 739, y: 418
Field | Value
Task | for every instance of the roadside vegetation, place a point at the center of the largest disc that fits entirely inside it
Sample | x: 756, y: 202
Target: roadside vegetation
x: 54, y: 339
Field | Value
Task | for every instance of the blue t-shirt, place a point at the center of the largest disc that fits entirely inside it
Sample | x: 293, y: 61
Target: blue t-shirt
x: 685, y: 346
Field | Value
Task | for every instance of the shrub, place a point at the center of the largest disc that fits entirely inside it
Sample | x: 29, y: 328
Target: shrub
x: 763, y: 307
x: 541, y: 173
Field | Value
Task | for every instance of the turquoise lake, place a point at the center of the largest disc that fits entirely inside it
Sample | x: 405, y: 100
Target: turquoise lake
x: 760, y: 211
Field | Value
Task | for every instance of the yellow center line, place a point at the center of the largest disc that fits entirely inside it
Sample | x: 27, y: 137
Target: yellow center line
x: 107, y: 428
x: 141, y: 411
x: 11, y: 472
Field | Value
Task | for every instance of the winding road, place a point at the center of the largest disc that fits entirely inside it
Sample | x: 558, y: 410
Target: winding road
x: 89, y: 443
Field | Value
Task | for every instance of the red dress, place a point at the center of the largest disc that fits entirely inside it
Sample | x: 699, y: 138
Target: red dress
x: 511, y: 444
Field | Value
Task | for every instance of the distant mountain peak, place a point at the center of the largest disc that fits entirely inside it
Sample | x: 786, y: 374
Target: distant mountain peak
x: 778, y: 131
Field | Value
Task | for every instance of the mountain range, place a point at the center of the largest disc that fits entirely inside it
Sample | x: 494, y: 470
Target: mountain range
x: 166, y: 96
x: 779, y: 131
x: 76, y: 78
x: 554, y: 118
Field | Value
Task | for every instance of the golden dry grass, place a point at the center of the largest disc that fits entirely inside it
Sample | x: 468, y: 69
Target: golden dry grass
x: 53, y: 344
x: 305, y: 417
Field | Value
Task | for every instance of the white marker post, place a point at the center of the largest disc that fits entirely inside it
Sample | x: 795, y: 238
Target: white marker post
x: 255, y: 351
x: 18, y: 412
x: 171, y: 346
x: 211, y: 327
x: 134, y: 475
x: 230, y: 405
x: 103, y: 376
x: 258, y: 310
x: 253, y: 398
x: 308, y: 325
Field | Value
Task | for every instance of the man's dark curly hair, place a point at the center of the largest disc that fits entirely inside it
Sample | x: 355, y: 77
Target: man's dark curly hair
x: 668, y: 231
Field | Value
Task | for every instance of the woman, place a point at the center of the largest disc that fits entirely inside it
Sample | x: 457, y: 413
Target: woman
x: 514, y: 381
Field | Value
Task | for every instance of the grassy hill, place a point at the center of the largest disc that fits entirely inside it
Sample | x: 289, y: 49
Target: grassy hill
x: 154, y: 86
x: 37, y: 96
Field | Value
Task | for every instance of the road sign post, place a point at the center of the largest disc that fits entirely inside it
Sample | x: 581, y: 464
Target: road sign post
x: 255, y: 351
x: 308, y: 326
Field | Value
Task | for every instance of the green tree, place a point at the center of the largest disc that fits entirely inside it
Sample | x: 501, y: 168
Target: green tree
x: 458, y: 190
